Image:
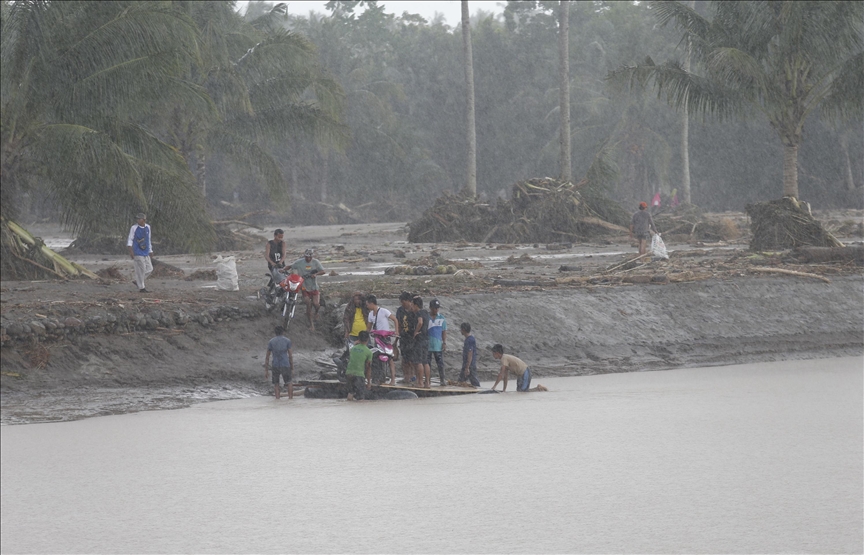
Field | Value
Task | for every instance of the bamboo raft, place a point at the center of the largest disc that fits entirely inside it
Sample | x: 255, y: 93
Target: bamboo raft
x: 341, y: 388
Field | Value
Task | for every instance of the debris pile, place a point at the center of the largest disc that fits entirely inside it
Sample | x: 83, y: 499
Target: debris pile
x: 786, y: 223
x: 540, y: 210
x: 687, y: 224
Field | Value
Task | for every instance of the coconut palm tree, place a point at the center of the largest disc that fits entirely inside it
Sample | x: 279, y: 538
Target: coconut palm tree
x: 77, y: 80
x: 468, y: 65
x: 787, y: 60
x: 564, y: 86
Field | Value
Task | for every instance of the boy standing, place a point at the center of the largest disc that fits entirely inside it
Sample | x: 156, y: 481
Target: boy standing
x: 359, y: 372
x: 515, y: 366
x: 437, y: 338
x: 469, y: 356
x: 140, y: 249
x: 283, y: 362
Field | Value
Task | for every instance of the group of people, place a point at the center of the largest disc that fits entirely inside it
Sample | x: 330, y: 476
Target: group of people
x: 422, y: 339
x: 309, y: 267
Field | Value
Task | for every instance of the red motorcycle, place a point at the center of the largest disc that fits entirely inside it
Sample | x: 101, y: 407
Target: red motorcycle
x: 290, y: 290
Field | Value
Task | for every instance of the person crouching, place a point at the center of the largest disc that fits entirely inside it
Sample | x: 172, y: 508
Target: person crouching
x: 517, y: 367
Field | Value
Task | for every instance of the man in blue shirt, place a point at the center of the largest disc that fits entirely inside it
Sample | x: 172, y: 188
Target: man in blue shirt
x: 283, y: 362
x: 437, y: 338
x: 140, y: 249
x: 469, y: 356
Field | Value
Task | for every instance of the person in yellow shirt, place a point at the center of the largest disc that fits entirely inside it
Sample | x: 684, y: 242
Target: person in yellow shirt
x: 355, y: 316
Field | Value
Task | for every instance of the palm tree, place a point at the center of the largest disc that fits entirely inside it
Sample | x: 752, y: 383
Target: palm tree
x: 467, y: 56
x: 267, y: 87
x: 77, y: 80
x: 787, y: 60
x: 564, y: 86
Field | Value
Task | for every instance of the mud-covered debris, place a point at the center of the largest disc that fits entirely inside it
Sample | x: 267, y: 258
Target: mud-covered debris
x: 206, y: 275
x: 540, y: 210
x: 786, y: 223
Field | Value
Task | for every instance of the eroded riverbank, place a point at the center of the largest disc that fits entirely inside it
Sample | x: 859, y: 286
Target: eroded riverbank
x: 185, y: 342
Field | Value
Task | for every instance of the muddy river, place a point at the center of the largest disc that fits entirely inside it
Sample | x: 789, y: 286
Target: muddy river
x: 752, y: 458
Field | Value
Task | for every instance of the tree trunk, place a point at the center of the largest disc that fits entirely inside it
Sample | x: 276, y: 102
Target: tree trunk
x: 790, y: 171
x: 685, y: 131
x: 564, y: 86
x: 844, y: 146
x: 325, y: 174
x: 201, y: 172
x: 471, y: 178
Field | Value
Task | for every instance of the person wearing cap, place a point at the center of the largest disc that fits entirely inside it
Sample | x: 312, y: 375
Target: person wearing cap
x: 140, y: 249
x: 379, y: 318
x: 274, y: 254
x: 641, y: 226
x: 310, y: 268
x: 437, y: 339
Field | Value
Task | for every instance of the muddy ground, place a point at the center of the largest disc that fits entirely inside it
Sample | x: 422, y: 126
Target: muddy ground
x: 707, y: 305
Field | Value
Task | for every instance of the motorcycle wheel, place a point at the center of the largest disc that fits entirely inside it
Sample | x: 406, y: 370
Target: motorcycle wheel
x: 287, y: 314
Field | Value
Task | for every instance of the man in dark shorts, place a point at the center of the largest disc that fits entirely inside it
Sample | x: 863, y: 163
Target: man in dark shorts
x: 406, y: 323
x: 283, y: 362
x: 274, y: 254
x: 421, y: 344
x: 641, y: 226
x: 359, y: 371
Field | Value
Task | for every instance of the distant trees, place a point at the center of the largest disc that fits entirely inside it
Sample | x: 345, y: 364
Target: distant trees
x: 78, y: 81
x: 787, y: 60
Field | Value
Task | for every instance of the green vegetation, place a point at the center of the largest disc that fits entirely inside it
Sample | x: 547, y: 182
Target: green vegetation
x: 191, y: 111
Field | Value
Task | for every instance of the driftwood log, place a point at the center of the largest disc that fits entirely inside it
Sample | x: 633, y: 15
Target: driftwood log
x: 789, y: 273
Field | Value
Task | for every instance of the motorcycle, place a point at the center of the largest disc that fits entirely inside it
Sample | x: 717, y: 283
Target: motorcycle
x: 283, y: 297
x: 382, y: 352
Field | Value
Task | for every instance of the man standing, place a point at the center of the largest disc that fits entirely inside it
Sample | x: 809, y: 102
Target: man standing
x: 379, y: 318
x: 641, y: 225
x: 406, y: 324
x: 310, y: 268
x: 516, y: 367
x: 437, y: 338
x: 469, y: 356
x: 274, y: 254
x: 421, y: 344
x: 140, y: 249
x: 359, y: 372
x: 283, y: 362
x: 355, y: 316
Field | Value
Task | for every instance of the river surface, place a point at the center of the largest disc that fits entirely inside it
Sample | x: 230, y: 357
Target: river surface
x: 761, y: 458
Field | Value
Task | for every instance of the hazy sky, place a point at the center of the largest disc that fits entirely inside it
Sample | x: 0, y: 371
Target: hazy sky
x: 451, y: 9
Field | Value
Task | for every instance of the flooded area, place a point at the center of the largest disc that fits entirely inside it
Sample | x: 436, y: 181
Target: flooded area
x: 750, y: 458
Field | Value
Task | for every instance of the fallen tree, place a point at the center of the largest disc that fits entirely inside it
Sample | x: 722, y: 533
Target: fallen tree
x: 25, y: 257
x: 784, y: 224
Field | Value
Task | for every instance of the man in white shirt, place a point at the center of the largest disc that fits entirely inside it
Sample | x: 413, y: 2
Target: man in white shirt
x: 379, y: 319
x: 140, y: 249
